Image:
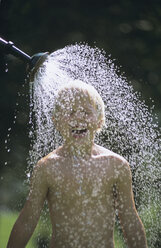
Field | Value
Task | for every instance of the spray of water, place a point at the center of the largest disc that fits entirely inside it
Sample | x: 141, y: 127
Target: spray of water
x: 130, y: 129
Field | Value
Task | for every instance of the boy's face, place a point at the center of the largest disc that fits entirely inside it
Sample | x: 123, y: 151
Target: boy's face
x: 78, y: 120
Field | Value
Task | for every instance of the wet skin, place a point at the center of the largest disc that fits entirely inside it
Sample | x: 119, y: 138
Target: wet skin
x: 83, y: 184
x: 81, y: 199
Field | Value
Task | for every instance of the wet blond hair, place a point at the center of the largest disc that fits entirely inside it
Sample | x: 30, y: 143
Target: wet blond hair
x: 67, y: 93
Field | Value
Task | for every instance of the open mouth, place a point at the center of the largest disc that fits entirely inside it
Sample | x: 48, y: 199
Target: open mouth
x: 79, y: 131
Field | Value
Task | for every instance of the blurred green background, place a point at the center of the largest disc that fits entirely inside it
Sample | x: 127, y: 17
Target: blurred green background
x: 128, y: 30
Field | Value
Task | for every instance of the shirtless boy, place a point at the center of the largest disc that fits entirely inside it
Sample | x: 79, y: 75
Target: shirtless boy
x: 83, y: 183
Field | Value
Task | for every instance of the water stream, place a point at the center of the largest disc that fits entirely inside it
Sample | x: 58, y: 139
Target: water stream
x: 130, y: 128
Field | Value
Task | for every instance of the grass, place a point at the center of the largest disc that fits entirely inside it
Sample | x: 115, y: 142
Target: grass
x: 150, y: 216
x: 7, y: 220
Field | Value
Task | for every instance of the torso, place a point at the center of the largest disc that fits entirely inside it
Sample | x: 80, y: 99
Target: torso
x: 81, y: 200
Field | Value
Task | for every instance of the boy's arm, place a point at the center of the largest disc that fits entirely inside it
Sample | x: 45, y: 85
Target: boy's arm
x: 131, y: 224
x: 29, y: 216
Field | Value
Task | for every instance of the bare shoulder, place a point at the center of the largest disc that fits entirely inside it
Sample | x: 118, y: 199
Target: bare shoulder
x: 118, y: 162
x: 104, y: 152
x: 48, y: 161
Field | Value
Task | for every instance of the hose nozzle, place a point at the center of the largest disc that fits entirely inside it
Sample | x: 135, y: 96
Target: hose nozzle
x: 8, y: 47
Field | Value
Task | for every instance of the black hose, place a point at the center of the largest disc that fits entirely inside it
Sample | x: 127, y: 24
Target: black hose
x: 8, y: 47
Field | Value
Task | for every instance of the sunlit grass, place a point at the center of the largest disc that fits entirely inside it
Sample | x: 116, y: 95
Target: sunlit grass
x: 7, y: 220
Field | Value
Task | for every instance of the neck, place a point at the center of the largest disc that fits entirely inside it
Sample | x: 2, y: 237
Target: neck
x: 79, y: 150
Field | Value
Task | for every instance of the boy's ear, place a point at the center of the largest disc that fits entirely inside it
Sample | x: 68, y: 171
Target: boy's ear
x: 55, y: 122
x: 100, y: 124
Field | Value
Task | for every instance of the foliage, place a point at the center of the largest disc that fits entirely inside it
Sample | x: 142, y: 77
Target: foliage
x: 128, y: 30
x: 152, y: 223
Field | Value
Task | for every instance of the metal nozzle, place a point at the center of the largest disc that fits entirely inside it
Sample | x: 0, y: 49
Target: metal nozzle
x: 8, y: 47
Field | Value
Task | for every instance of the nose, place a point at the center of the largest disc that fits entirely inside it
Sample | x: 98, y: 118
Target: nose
x: 77, y: 118
x: 79, y: 115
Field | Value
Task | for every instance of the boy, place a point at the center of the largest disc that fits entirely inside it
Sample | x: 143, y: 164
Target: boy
x: 83, y: 183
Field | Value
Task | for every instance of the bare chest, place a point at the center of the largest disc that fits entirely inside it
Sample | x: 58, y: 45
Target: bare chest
x: 82, y: 184
x: 82, y: 205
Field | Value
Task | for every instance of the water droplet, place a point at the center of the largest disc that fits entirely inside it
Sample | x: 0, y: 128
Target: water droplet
x: 129, y: 130
x: 28, y: 175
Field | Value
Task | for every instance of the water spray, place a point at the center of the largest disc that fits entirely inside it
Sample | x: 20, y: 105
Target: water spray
x: 130, y: 129
x: 8, y: 47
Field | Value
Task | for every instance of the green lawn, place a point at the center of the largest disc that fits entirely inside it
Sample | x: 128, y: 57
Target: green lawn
x: 7, y: 219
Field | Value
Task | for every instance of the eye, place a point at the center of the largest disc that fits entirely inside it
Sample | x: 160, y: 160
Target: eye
x: 84, y: 113
x: 66, y: 115
x: 87, y: 112
x: 72, y: 113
